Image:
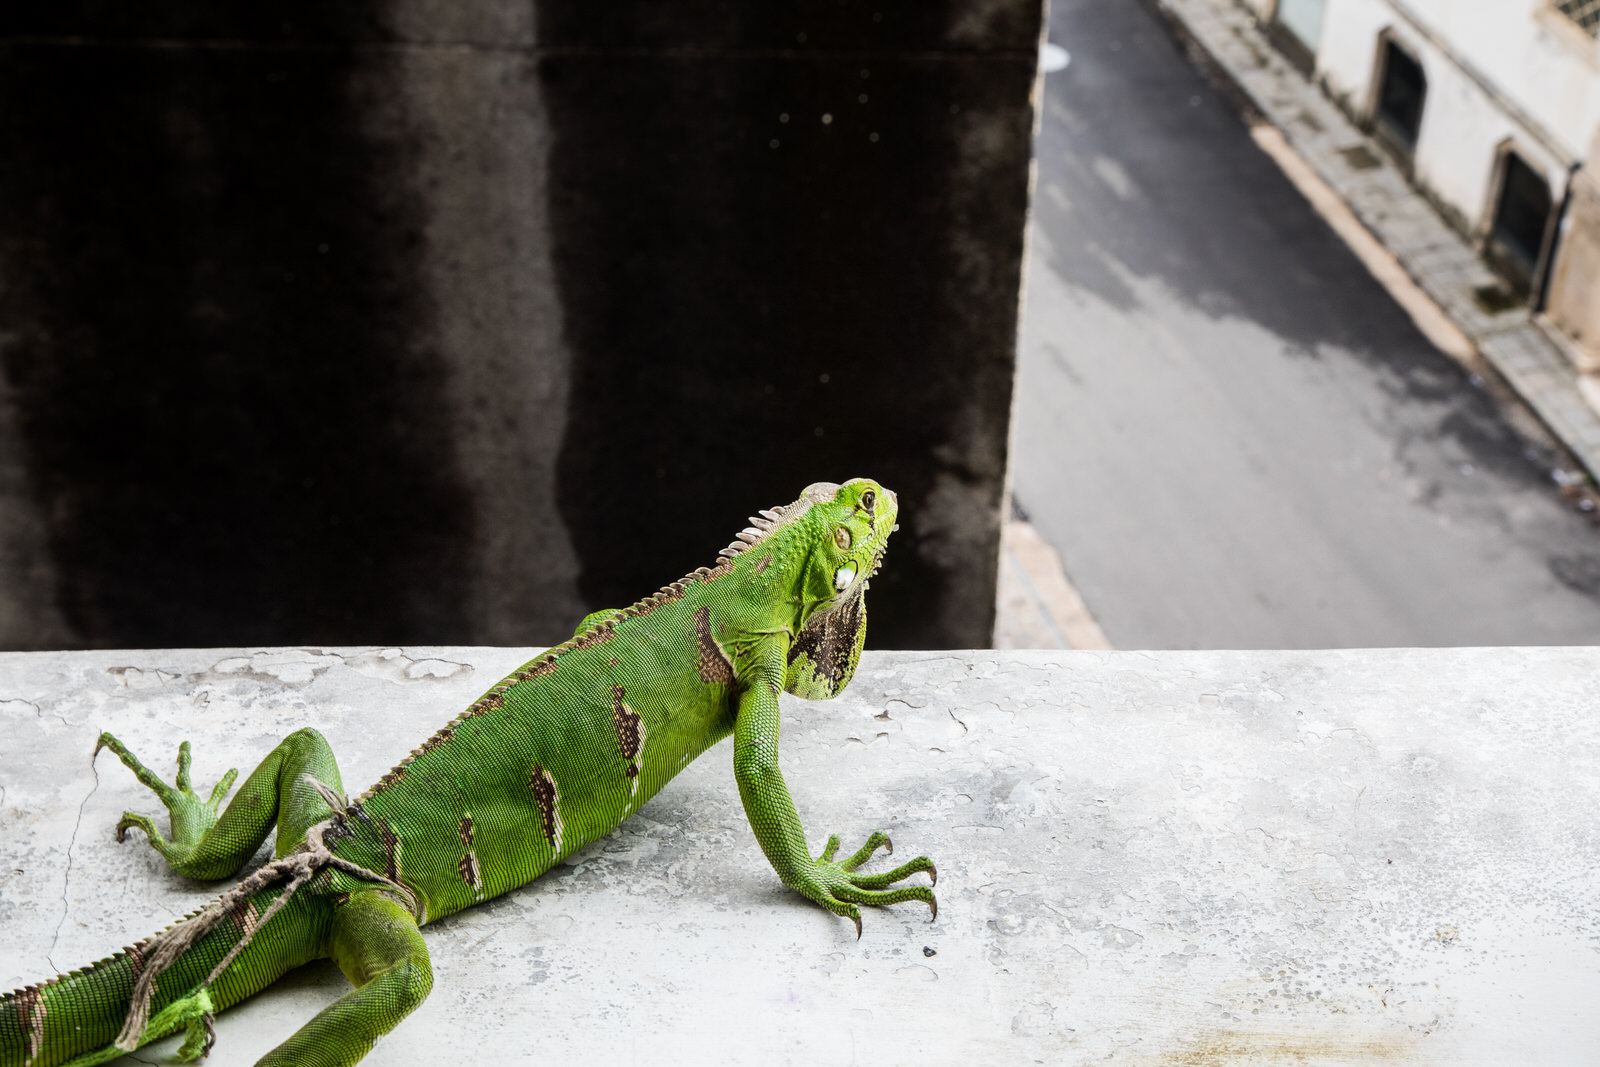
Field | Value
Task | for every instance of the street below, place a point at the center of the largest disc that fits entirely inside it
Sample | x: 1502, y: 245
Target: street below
x: 1232, y: 434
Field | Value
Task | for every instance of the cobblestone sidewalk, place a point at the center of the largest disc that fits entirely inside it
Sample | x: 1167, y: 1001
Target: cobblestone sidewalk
x: 1037, y: 605
x: 1442, y: 263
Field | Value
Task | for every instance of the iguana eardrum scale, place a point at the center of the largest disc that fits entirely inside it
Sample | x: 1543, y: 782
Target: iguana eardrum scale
x: 548, y: 760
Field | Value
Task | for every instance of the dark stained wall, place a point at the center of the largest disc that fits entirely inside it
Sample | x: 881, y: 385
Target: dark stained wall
x: 451, y: 323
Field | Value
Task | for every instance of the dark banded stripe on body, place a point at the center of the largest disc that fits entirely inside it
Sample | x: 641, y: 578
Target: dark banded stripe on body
x: 545, y: 794
x: 715, y: 667
x: 31, y: 1012
x: 630, y: 735
x: 467, y: 866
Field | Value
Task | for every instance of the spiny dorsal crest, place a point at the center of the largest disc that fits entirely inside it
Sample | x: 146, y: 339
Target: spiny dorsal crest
x: 769, y: 519
x: 761, y: 526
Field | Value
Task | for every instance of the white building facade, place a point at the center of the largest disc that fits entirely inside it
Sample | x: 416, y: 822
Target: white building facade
x: 1493, y: 106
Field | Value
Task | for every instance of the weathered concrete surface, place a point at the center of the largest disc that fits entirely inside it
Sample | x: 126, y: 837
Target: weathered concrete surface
x: 1145, y: 858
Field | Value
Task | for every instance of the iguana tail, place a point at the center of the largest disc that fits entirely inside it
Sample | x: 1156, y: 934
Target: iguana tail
x: 75, y: 1019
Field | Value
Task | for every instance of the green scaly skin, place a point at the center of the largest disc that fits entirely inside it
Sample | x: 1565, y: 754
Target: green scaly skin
x: 548, y: 760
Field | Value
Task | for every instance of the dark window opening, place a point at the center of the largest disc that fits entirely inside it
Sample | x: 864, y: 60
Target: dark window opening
x: 1401, y: 95
x: 1521, y: 217
x: 1586, y: 13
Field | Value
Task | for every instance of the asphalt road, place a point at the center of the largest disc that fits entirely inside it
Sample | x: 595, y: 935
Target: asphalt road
x: 1230, y: 431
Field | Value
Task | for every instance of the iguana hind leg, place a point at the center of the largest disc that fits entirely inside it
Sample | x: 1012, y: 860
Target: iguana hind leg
x: 378, y: 947
x: 279, y: 792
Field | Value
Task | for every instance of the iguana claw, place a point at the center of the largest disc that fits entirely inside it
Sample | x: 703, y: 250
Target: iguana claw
x: 833, y: 883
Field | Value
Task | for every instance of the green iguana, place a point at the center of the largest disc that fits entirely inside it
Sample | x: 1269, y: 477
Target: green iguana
x: 548, y: 760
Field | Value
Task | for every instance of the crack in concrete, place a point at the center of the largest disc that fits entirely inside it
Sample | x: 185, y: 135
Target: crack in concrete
x: 66, y: 877
x: 38, y: 711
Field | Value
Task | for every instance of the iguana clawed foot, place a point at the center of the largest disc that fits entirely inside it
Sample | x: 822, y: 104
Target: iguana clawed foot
x: 191, y: 817
x: 834, y: 885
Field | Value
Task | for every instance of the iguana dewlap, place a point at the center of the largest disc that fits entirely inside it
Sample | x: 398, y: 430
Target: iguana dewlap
x: 551, y: 758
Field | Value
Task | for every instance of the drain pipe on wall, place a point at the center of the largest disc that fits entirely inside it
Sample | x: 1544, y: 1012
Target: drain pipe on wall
x: 1554, y: 231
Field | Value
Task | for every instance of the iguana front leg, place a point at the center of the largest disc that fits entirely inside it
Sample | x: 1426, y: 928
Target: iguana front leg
x: 832, y: 884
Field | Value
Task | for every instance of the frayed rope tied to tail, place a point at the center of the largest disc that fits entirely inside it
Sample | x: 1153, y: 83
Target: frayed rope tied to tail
x: 297, y: 868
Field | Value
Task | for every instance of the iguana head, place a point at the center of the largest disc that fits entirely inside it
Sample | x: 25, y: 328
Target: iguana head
x: 822, y: 548
x: 842, y: 532
x: 850, y: 526
x: 816, y: 556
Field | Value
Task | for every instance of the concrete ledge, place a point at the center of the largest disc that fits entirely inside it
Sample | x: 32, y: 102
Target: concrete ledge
x: 1241, y: 857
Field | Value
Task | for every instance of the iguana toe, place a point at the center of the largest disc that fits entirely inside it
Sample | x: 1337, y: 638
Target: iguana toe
x: 881, y: 898
x: 830, y: 849
x: 888, y: 878
x: 878, y: 840
x: 131, y: 819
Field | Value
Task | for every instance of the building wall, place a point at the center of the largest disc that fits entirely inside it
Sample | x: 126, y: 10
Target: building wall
x: 1572, y: 306
x: 1517, y: 76
x: 435, y: 323
x: 1465, y: 123
x: 1530, y: 53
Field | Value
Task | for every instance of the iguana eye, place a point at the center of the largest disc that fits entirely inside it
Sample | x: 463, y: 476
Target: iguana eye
x: 841, y: 537
x: 868, y: 499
